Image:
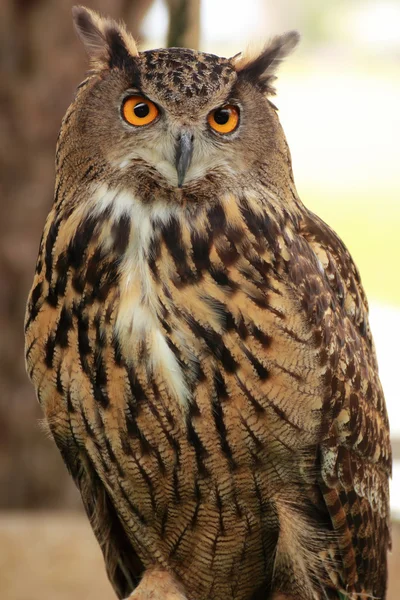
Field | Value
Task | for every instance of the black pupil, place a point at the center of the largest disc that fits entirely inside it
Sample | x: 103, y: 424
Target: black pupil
x: 222, y: 115
x: 141, y: 110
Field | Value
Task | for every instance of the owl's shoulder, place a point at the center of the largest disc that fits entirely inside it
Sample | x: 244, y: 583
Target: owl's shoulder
x: 327, y: 275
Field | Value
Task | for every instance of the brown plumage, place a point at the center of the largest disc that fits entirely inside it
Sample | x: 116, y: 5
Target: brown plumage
x: 202, y: 353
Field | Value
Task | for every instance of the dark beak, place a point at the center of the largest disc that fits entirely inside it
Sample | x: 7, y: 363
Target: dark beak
x: 183, y: 156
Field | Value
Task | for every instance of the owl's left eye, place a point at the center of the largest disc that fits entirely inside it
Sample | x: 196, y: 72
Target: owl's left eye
x: 138, y: 111
x: 224, y: 119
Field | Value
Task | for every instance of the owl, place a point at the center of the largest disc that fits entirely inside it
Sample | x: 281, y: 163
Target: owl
x: 199, y: 340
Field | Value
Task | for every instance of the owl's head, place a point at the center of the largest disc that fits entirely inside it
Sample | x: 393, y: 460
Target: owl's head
x: 173, y: 118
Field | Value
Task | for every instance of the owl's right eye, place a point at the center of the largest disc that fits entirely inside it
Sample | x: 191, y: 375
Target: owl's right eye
x: 138, y: 111
x: 224, y: 119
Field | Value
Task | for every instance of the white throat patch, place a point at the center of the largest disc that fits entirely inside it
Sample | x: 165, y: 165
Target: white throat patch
x: 137, y: 318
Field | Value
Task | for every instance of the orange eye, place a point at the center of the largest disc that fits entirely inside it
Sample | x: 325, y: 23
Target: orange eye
x: 139, y: 111
x: 224, y: 119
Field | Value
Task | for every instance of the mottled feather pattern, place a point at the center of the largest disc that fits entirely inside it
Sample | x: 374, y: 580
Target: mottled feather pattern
x: 203, y: 358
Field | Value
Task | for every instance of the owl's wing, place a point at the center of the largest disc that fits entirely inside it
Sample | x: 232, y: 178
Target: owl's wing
x: 56, y: 358
x: 123, y: 566
x: 354, y: 453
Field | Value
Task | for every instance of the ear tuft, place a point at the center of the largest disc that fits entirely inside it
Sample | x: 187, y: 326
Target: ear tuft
x: 107, y: 42
x: 260, y: 67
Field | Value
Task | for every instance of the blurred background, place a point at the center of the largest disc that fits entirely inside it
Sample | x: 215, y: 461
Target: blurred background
x: 339, y: 102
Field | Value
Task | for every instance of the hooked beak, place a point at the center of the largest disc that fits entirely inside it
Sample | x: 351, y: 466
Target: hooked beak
x: 183, y: 156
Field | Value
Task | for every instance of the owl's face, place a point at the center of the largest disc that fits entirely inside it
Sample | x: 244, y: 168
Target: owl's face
x: 175, y: 117
x: 176, y: 113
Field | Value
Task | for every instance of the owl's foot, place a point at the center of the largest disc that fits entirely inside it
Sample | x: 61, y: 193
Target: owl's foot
x: 158, y: 584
